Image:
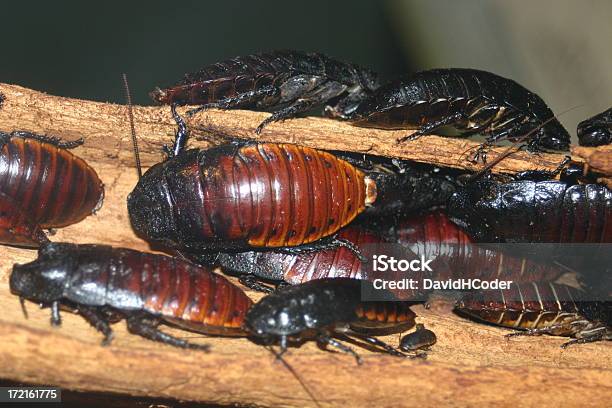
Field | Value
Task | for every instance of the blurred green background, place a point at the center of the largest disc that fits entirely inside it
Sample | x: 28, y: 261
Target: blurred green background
x: 560, y: 49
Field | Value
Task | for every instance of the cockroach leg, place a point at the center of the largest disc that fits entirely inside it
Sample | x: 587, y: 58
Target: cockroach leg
x: 146, y: 327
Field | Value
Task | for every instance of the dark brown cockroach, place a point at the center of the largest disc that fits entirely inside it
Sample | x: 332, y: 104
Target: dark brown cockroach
x: 50, y: 186
x: 541, y: 308
x: 280, y: 267
x: 596, y: 131
x: 323, y: 309
x: 452, y: 252
x: 456, y: 255
x: 288, y: 82
x: 470, y: 100
x: 247, y: 195
x: 534, y: 211
x: 105, y: 284
x: 420, y: 339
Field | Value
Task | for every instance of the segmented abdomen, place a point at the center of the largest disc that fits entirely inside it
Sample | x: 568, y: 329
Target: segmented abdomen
x: 274, y: 195
x: 178, y: 291
x: 384, y: 313
x: 455, y: 255
x: 527, y: 211
x: 54, y: 187
x: 230, y: 78
x: 16, y: 228
x: 526, y: 306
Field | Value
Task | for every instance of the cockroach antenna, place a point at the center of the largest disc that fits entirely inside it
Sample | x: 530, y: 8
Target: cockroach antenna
x: 516, y: 145
x: 128, y: 97
x: 280, y: 358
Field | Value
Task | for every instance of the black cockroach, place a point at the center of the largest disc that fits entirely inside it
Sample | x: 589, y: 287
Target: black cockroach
x: 105, y: 284
x: 323, y: 309
x: 596, y: 131
x: 420, y: 339
x: 288, y: 82
x: 46, y: 185
x: 452, y: 252
x: 404, y: 188
x: 534, y: 211
x: 470, y: 100
x: 2, y: 99
x: 542, y: 308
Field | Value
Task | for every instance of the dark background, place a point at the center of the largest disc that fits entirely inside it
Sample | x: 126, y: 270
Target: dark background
x: 560, y: 49
x: 80, y: 50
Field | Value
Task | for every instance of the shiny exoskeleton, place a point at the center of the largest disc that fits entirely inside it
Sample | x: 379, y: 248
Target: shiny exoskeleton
x: 288, y: 82
x: 247, y: 195
x: 452, y: 252
x: 596, y: 131
x: 42, y: 185
x: 323, y: 309
x: 541, y: 308
x: 534, y: 211
x: 404, y: 188
x: 337, y: 262
x: 105, y: 284
x: 469, y: 100
x: 421, y: 338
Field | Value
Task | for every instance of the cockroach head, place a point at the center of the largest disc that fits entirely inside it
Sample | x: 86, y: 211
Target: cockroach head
x: 44, y: 279
x: 270, y: 318
x: 148, y: 207
x: 594, y: 134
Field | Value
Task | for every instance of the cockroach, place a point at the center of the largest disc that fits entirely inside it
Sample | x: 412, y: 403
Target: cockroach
x: 45, y: 185
x: 324, y: 309
x: 105, y: 284
x: 287, y: 82
x: 470, y: 100
x: 16, y: 228
x: 419, y: 339
x: 596, y: 131
x: 255, y: 267
x: 403, y: 187
x: 534, y: 211
x: 247, y: 195
x: 457, y: 255
x: 452, y: 252
x: 541, y: 308
x: 2, y: 99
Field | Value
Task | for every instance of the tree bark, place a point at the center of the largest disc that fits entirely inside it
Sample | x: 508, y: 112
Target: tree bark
x: 472, y: 364
x: 106, y: 131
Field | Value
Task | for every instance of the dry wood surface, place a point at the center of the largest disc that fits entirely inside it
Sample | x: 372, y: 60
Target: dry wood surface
x: 471, y: 365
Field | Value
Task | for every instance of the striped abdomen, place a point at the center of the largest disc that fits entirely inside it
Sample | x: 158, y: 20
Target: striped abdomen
x: 175, y: 290
x: 265, y: 195
x: 16, y: 228
x: 52, y: 186
x: 527, y: 306
x: 227, y: 79
x: 457, y: 256
x: 528, y: 211
x: 384, y: 314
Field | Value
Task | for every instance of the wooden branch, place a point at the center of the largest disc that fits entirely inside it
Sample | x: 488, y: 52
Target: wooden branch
x: 472, y: 364
x: 106, y: 132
